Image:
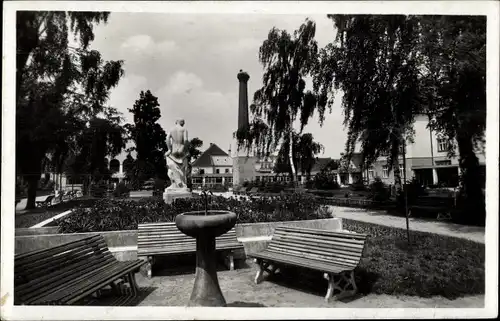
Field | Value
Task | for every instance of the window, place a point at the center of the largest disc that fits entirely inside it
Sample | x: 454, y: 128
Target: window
x: 371, y: 173
x: 442, y: 145
x: 385, y: 171
x: 202, y: 171
x: 229, y: 180
x: 217, y: 171
x: 218, y: 180
x: 227, y: 170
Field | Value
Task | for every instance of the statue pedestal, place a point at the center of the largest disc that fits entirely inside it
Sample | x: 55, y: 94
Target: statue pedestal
x: 174, y: 193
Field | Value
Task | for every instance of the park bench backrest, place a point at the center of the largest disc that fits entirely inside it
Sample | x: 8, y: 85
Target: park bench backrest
x: 165, y: 238
x: 40, y: 271
x: 435, y: 201
x: 339, y: 248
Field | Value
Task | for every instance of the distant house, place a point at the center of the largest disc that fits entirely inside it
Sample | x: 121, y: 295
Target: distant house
x: 427, y: 160
x: 350, y: 172
x: 213, y: 168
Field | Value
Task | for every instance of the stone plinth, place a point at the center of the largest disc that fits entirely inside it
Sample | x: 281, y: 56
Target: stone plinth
x: 172, y: 194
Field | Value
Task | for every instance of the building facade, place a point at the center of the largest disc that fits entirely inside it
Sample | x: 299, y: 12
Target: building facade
x: 214, y: 168
x: 427, y: 160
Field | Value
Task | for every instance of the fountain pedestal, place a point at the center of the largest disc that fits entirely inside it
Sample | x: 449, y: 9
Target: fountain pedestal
x: 205, y: 228
x: 172, y: 194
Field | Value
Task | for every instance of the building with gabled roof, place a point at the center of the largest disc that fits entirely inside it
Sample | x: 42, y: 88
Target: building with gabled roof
x: 214, y: 167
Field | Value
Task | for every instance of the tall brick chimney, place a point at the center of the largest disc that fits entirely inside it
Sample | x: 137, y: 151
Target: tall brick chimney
x: 243, y: 100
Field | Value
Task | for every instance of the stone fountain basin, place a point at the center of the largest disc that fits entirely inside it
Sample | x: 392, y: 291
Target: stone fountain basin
x: 213, y: 224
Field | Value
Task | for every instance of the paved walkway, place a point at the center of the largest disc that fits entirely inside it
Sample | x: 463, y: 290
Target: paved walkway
x: 171, y: 287
x: 473, y: 233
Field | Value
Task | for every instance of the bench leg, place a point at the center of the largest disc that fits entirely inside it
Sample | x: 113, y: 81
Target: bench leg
x: 132, y: 283
x: 260, y: 274
x: 229, y: 261
x: 331, y: 286
x: 343, y: 282
x: 149, y: 267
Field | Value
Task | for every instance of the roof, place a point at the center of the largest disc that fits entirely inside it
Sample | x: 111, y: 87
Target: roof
x: 205, y: 159
x: 354, y: 166
x: 320, y: 163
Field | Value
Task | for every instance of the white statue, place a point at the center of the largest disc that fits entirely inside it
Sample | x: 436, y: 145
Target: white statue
x: 177, y: 156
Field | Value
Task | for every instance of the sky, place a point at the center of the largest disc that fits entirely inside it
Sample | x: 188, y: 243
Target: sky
x: 190, y: 62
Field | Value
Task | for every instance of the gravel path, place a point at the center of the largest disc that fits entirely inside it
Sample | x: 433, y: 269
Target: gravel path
x: 473, y: 233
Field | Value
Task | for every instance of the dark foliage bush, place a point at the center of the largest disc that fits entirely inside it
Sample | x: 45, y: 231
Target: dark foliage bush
x: 378, y: 191
x: 358, y: 186
x: 433, y: 265
x: 114, y: 214
x: 325, y: 181
x: 121, y: 190
x: 98, y: 189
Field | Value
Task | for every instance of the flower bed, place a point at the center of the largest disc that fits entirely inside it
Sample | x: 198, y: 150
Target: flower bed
x: 434, y: 265
x: 123, y: 214
x: 38, y: 215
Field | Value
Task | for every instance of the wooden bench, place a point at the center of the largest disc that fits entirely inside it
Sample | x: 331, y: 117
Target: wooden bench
x: 68, y: 273
x: 164, y: 239
x: 441, y: 206
x: 335, y: 254
x: 45, y: 203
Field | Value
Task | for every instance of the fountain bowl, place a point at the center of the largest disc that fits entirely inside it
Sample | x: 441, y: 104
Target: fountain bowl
x: 213, y: 224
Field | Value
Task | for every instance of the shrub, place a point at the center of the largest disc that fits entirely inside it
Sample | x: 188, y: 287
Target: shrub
x: 325, y: 181
x: 98, y: 189
x: 378, y: 191
x: 121, y: 190
x: 120, y: 214
x: 21, y: 188
x: 358, y: 186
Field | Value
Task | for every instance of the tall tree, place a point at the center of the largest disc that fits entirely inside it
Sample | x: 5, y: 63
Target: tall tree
x: 454, y: 81
x: 193, y: 153
x: 56, y: 85
x: 148, y: 136
x: 283, y: 100
x: 305, y: 150
x: 102, y: 137
x: 374, y: 63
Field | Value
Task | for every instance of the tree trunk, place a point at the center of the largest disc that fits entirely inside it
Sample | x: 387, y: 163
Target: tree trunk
x: 290, y: 155
x: 395, y: 166
x: 32, y: 187
x: 473, y: 202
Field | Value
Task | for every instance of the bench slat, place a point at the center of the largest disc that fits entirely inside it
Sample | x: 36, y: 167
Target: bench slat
x: 53, y: 261
x: 71, y: 269
x: 32, y: 255
x: 313, y: 249
x: 294, y: 261
x: 321, y: 240
x: 88, y: 285
x: 318, y: 232
x: 43, y: 292
x: 166, y: 238
x: 61, y: 275
x: 313, y: 253
x: 322, y: 250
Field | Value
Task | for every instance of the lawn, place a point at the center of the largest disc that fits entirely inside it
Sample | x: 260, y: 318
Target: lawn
x: 433, y: 265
